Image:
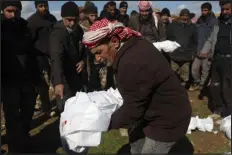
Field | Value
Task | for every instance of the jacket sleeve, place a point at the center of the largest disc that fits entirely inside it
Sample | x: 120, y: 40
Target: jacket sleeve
x: 136, y: 96
x: 56, y: 50
x: 161, y: 30
x: 211, y: 41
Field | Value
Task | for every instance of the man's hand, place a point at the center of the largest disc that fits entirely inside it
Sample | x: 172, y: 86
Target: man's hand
x: 80, y: 66
x: 203, y: 55
x: 59, y: 90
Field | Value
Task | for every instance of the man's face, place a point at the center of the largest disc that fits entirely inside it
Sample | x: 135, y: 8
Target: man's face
x: 105, y: 53
x: 226, y: 11
x: 144, y: 13
x: 82, y: 16
x: 70, y: 22
x: 111, y: 9
x: 164, y: 18
x: 123, y: 10
x: 12, y: 12
x: 42, y: 8
x: 184, y: 18
x: 205, y: 12
x: 92, y: 17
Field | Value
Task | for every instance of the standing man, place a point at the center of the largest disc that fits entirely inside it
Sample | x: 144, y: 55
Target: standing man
x: 123, y: 17
x: 164, y: 16
x: 67, y: 54
x: 202, y: 63
x: 40, y: 24
x: 183, y: 32
x: 109, y: 11
x: 156, y: 109
x: 148, y: 25
x: 19, y: 76
x: 220, y: 44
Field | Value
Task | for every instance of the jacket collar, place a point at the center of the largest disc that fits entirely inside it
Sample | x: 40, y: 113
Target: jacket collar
x: 122, y: 50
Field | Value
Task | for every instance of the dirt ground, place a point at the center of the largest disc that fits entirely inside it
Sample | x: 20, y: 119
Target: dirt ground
x: 45, y: 135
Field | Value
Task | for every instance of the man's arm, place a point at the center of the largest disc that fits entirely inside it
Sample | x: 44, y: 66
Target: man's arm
x: 56, y: 53
x: 161, y: 30
x: 136, y: 92
x: 210, y: 43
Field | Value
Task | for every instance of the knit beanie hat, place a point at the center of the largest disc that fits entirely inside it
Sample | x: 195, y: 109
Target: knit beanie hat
x: 206, y: 5
x: 7, y: 3
x: 91, y: 9
x: 123, y: 5
x: 40, y: 2
x: 184, y: 11
x: 69, y: 9
x: 165, y: 11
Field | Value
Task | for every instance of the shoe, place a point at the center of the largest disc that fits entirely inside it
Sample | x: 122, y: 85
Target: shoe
x: 195, y: 87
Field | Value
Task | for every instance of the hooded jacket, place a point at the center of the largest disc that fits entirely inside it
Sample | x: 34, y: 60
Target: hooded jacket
x: 18, y: 58
x: 204, y: 29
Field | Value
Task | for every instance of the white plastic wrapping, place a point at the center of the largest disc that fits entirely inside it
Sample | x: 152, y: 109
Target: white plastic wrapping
x: 85, y: 117
x: 226, y: 126
x: 167, y: 46
x: 205, y: 124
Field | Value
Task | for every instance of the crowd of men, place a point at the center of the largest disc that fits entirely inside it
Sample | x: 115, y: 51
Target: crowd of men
x: 84, y: 52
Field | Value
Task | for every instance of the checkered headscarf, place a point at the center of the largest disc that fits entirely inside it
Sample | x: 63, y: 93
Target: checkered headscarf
x: 106, y: 29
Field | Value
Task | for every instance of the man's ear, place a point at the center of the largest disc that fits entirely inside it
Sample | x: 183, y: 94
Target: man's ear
x: 115, y: 42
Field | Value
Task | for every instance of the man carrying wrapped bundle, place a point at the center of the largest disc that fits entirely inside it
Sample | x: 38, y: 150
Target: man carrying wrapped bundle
x: 156, y: 110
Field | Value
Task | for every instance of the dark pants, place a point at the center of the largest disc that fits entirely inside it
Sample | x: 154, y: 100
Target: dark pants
x: 221, y: 85
x: 43, y: 87
x: 18, y: 106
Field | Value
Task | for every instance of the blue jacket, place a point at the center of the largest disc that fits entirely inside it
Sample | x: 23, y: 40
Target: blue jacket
x: 204, y: 29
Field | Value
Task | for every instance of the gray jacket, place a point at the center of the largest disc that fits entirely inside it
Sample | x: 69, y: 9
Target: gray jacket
x: 209, y: 46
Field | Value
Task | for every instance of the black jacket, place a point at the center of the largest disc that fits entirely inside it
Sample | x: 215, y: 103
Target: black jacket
x: 186, y: 36
x: 123, y: 19
x: 18, y: 58
x: 66, y: 51
x: 151, y: 93
x: 40, y: 28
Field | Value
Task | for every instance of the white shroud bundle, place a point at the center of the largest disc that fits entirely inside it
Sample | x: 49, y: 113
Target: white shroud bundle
x: 166, y: 46
x: 85, y: 117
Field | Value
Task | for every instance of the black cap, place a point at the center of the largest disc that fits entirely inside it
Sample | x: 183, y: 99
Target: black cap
x: 206, y: 5
x: 192, y: 15
x: 40, y: 2
x: 7, y: 3
x: 184, y: 11
x: 91, y: 9
x: 69, y: 9
x: 123, y: 5
x: 224, y: 2
x: 165, y: 11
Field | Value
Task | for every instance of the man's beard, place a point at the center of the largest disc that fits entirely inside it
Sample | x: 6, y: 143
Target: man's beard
x: 225, y: 17
x: 145, y: 19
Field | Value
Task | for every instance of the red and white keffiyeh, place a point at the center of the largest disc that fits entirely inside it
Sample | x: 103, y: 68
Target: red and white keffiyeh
x: 144, y: 5
x: 105, y: 28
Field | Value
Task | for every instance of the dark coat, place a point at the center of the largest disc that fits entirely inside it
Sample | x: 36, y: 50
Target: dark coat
x: 135, y: 24
x: 66, y: 51
x: 151, y: 92
x: 204, y: 29
x: 18, y: 58
x: 186, y: 36
x: 123, y: 19
x: 40, y: 28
